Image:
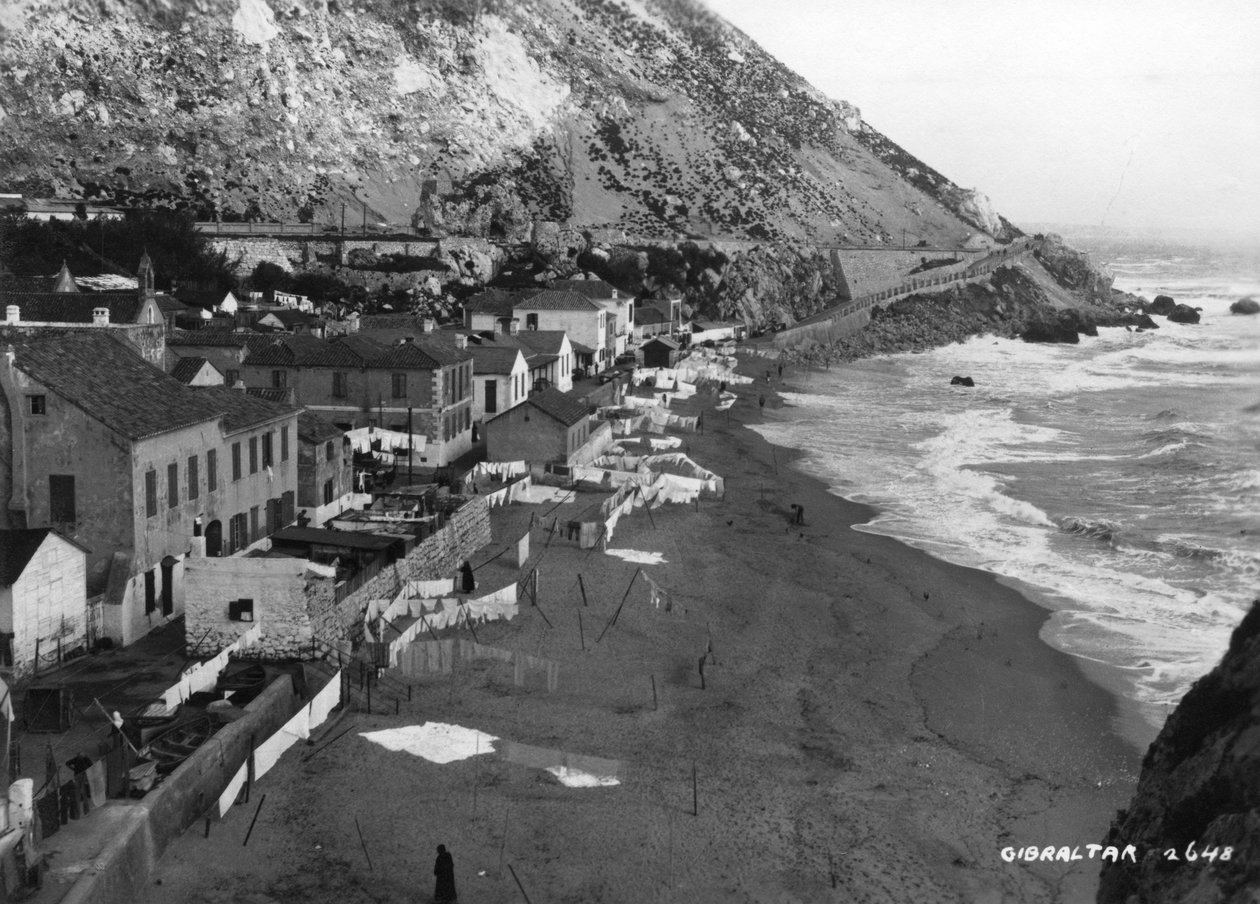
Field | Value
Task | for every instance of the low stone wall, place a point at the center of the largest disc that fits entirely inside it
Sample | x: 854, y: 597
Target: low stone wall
x: 437, y: 556
x: 122, y: 869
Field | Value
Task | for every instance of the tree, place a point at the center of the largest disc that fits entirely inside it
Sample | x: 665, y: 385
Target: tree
x: 267, y: 277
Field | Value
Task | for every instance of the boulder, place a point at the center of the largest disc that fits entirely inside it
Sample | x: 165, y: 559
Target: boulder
x: 1162, y: 305
x: 1245, y: 306
x: 962, y: 381
x: 1183, y: 313
x: 1144, y: 322
x: 1061, y: 326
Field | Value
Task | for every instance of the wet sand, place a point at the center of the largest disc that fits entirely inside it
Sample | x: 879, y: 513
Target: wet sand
x: 876, y: 726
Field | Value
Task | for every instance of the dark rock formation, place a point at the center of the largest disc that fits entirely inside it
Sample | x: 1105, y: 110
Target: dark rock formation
x: 1200, y: 786
x: 1183, y: 313
x: 1074, y: 270
x: 1061, y: 326
x: 1162, y: 305
x: 962, y: 381
x: 1144, y: 322
x: 1245, y: 306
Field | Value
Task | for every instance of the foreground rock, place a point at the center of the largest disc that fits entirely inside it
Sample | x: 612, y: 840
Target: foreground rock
x: 1183, y: 313
x: 1163, y: 305
x: 962, y: 381
x: 1199, y: 792
x: 1245, y: 306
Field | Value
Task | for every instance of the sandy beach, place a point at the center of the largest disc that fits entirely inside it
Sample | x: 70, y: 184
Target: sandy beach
x: 876, y: 725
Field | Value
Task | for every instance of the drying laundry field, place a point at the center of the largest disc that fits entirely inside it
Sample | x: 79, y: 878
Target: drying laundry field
x: 852, y: 736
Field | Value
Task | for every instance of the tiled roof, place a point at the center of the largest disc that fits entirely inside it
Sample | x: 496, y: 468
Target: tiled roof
x: 494, y: 358
x: 344, y: 539
x: 371, y: 322
x: 270, y: 394
x: 357, y: 350
x: 186, y: 369
x: 665, y: 341
x: 110, y: 382
x: 72, y: 307
x: 16, y: 549
x: 552, y: 300
x: 591, y: 288
x: 203, y: 299
x: 314, y: 429
x: 169, y: 305
x: 580, y: 349
x: 492, y: 301
x: 291, y: 316
x: 212, y: 338
x: 559, y: 405
x: 242, y: 410
x: 547, y: 342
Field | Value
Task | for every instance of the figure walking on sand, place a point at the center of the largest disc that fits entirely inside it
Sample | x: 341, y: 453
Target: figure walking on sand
x: 444, y: 870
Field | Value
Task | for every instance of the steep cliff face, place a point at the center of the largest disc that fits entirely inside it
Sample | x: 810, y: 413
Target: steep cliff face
x: 1196, y: 813
x: 651, y: 117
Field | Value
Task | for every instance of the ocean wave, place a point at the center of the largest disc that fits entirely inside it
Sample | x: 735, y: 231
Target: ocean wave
x: 1094, y: 528
x: 1172, y: 452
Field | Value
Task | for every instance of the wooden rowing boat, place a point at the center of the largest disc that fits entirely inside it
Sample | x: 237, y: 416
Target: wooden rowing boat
x: 174, y: 745
x: 242, y: 682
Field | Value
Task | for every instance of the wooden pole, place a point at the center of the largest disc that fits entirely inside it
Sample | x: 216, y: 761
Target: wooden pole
x: 476, y: 772
x: 519, y: 885
x: 695, y: 793
x: 503, y: 837
x: 262, y: 800
x: 363, y: 844
x: 654, y: 692
x: 582, y: 587
x: 581, y: 633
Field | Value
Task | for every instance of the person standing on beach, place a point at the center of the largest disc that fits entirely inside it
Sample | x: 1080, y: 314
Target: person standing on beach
x: 761, y: 400
x: 444, y: 870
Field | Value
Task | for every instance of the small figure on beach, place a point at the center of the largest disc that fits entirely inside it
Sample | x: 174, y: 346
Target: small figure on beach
x: 761, y: 401
x: 798, y: 513
x: 767, y: 376
x: 780, y: 370
x: 467, y: 584
x: 444, y: 870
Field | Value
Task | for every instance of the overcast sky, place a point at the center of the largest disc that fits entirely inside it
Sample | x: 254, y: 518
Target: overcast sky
x: 1127, y: 113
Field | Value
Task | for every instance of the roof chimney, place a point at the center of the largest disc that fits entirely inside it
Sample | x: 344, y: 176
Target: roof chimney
x: 461, y: 341
x: 409, y: 340
x: 100, y: 316
x: 429, y: 324
x: 12, y: 314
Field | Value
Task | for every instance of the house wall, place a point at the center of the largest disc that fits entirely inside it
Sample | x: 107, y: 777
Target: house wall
x: 595, y: 444
x: 47, y: 605
x: 293, y: 603
x: 540, y: 439
x: 64, y: 441
x: 315, y: 469
x: 586, y: 327
x: 433, y: 396
x: 224, y: 358
x: 507, y: 390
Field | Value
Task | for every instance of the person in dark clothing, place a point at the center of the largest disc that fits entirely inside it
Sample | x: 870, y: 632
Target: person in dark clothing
x: 761, y: 401
x: 444, y: 870
x: 467, y: 584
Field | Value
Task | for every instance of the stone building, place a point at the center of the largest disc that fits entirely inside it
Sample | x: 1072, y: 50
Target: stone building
x: 325, y: 468
x: 133, y: 464
x: 225, y: 349
x: 619, y: 307
x: 136, y: 316
x: 587, y: 324
x: 43, y: 599
x: 550, y: 427
x: 361, y: 381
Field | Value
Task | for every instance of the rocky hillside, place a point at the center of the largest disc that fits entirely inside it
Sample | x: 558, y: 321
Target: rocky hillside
x: 474, y: 117
x: 1195, y: 816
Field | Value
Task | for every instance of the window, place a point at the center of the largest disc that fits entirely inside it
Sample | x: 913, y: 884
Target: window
x: 212, y: 470
x: 531, y: 321
x: 193, y: 489
x: 150, y: 591
x: 150, y: 493
x: 236, y: 461
x: 267, y: 451
x: 492, y: 397
x: 253, y: 524
x: 253, y: 455
x: 328, y: 492
x: 172, y: 484
x: 279, y: 379
x: 168, y: 585
x: 236, y: 533
x: 38, y: 404
x: 341, y: 384
x: 400, y: 386
x: 328, y: 451
x: 61, y: 498
x: 231, y: 377
x: 284, y: 443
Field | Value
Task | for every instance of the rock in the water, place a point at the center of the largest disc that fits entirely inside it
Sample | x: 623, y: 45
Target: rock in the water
x: 962, y: 381
x: 1063, y: 326
x: 1183, y: 313
x: 1245, y: 306
x: 1144, y: 322
x: 1163, y: 305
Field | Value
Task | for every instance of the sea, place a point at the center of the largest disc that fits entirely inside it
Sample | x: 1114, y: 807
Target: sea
x: 1115, y: 483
